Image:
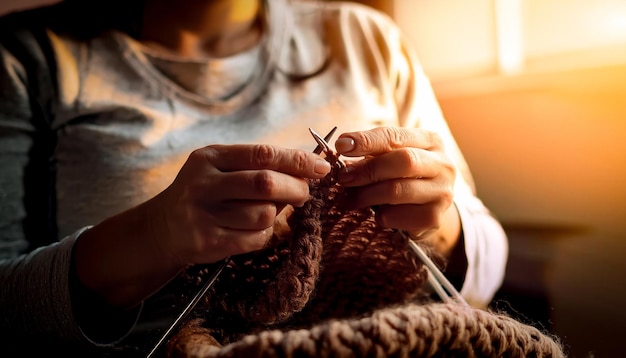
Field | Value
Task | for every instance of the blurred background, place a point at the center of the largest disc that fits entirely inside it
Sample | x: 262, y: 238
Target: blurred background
x: 535, y: 93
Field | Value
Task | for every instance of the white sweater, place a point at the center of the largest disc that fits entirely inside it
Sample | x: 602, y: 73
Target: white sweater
x: 105, y: 124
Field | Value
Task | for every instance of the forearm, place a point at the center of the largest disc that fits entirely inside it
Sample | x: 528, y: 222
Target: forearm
x: 119, y: 259
x: 448, y: 241
x: 447, y: 236
x: 476, y: 249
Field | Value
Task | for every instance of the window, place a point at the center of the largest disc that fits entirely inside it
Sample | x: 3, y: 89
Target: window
x: 460, y: 38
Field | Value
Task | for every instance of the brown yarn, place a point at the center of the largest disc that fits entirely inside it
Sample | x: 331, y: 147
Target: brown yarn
x: 340, y: 268
x: 433, y: 330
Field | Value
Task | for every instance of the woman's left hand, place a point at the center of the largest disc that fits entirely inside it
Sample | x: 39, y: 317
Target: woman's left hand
x: 404, y: 173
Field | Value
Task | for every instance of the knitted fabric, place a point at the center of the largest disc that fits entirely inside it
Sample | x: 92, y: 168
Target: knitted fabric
x: 328, y: 288
x: 432, y: 330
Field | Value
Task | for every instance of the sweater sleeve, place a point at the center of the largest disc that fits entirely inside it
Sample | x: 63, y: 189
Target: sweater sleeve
x: 35, y: 267
x: 34, y: 295
x: 404, y: 81
x: 486, y: 244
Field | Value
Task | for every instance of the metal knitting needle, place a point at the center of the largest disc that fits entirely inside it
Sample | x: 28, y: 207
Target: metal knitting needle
x: 322, y: 143
x: 190, y: 306
x: 439, y: 282
x: 323, y: 146
x: 438, y: 279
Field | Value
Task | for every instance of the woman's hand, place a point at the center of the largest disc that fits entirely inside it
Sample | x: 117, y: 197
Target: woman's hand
x: 404, y: 173
x: 223, y: 202
x: 225, y: 199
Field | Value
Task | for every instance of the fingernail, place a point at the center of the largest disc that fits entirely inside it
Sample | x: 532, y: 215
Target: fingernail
x: 344, y: 145
x: 321, y: 166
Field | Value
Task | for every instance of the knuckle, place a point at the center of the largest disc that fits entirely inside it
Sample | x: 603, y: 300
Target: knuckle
x: 395, y: 137
x: 447, y: 169
x: 204, y: 154
x: 451, y: 168
x: 197, y: 157
x: 434, y: 139
x: 303, y: 199
x: 447, y: 194
x: 264, y: 183
x: 363, y: 140
x: 197, y: 154
x: 264, y: 155
x: 300, y: 161
x: 448, y: 191
x: 396, y: 190
x: 410, y: 157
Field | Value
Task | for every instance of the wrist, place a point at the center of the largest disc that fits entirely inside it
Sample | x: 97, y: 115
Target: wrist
x: 448, y: 236
x: 98, y: 321
x: 118, y: 259
x: 162, y: 232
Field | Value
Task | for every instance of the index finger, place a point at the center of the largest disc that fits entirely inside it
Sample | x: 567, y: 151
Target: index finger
x: 299, y: 163
x: 384, y: 140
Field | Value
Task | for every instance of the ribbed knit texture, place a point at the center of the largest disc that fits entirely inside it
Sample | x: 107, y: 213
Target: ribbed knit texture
x: 432, y: 330
x: 340, y: 286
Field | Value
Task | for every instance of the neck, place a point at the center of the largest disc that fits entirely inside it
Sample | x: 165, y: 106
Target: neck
x: 201, y: 28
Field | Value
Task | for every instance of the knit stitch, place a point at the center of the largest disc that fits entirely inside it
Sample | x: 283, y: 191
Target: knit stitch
x: 341, y: 285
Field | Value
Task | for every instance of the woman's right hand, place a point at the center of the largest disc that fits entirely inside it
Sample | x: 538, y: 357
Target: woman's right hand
x: 224, y: 201
x: 226, y: 198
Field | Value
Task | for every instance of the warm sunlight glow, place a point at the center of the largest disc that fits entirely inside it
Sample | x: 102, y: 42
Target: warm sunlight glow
x: 616, y: 24
x: 459, y: 39
x: 508, y: 18
x: 559, y: 26
x: 535, y: 93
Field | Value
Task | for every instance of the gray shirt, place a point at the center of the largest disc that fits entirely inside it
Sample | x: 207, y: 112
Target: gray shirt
x: 92, y: 126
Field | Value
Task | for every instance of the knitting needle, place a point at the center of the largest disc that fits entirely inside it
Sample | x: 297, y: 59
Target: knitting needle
x: 322, y: 146
x: 438, y: 281
x: 190, y: 306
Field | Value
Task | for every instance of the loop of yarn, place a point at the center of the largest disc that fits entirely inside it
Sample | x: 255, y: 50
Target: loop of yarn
x: 433, y: 330
x: 340, y: 286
